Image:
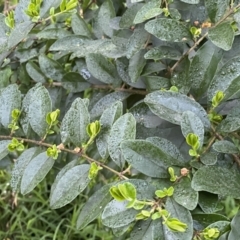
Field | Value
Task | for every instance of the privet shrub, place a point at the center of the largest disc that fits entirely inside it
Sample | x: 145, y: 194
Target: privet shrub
x: 136, y: 102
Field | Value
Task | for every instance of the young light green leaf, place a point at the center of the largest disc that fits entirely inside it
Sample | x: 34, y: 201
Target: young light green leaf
x: 123, y: 129
x: 222, y: 35
x: 71, y: 183
x: 35, y: 172
x: 168, y: 30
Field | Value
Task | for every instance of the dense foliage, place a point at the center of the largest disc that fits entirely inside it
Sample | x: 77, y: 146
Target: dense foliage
x: 135, y: 103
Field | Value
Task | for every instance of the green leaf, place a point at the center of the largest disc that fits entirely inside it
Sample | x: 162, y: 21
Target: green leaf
x: 101, y: 68
x: 74, y: 82
x: 5, y: 76
x: 209, y: 158
x: 168, y: 30
x: 222, y: 35
x: 183, y: 215
x: 53, y: 33
x: 234, y: 233
x: 106, y: 12
x: 19, y: 32
x: 216, y: 9
x: 109, y: 116
x: 185, y: 195
x: 35, y: 72
x: 40, y: 106
x: 106, y: 102
x: 226, y: 79
x: 136, y: 65
x: 129, y: 16
x: 146, y: 10
x: 123, y: 129
x: 222, y: 226
x: 217, y: 180
x: 46, y: 5
x: 190, y: 1
x: 127, y: 190
x: 209, y: 203
x: 20, y: 165
x: 69, y: 185
x: 10, y: 99
x: 229, y: 124
x: 203, y: 67
x: 171, y: 105
x: 75, y: 122
x: 4, y: 148
x: 162, y: 52
x: 147, y: 158
x: 35, y: 172
x: 115, y: 214
x: 94, y: 206
x: 191, y: 123
x: 225, y: 146
x: 79, y: 26
x: 135, y: 43
x: 51, y: 68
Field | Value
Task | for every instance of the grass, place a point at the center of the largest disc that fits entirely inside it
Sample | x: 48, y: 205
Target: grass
x: 32, y: 219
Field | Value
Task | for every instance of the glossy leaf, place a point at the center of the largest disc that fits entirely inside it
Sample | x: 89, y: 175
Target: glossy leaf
x: 10, y: 98
x: 69, y: 185
x: 20, y: 165
x: 209, y: 203
x: 74, y: 123
x: 225, y: 146
x: 46, y: 5
x: 171, y: 105
x: 216, y: 9
x: 40, y: 105
x: 35, y: 172
x: 217, y: 180
x: 109, y: 116
x: 4, y: 148
x: 209, y: 158
x: 79, y: 26
x: 234, y: 233
x: 147, y: 158
x: 162, y: 52
x: 168, y: 30
x: 185, y: 195
x: 191, y: 123
x: 226, y: 79
x: 35, y: 72
x: 203, y: 67
x: 115, y: 214
x: 222, y: 35
x: 123, y: 129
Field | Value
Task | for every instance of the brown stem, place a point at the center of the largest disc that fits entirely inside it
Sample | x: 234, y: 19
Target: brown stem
x: 79, y: 153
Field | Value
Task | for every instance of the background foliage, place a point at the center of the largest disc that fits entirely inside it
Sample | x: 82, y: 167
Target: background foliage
x: 121, y: 111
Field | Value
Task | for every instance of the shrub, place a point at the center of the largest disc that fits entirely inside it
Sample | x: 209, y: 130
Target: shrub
x: 137, y: 102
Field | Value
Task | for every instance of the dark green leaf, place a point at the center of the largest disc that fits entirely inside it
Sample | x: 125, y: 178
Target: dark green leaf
x: 4, y: 148
x: 234, y: 233
x: 190, y: 1
x: 53, y: 33
x: 123, y: 129
x: 216, y: 9
x: 181, y: 213
x: 20, y: 165
x: 35, y: 172
x: 209, y: 158
x: 171, y: 105
x: 226, y: 79
x: 51, y: 68
x: 115, y: 214
x: 191, y: 123
x: 203, y: 67
x: 106, y: 12
x: 106, y: 101
x: 79, y: 26
x: 5, y: 75
x: 109, y: 116
x: 40, y: 105
x: 225, y: 146
x: 70, y: 184
x: 74, y: 82
x: 46, y: 5
x: 75, y: 122
x: 217, y: 180
x: 185, y: 195
x: 168, y: 30
x: 147, y: 158
x: 101, y: 68
x: 35, y: 72
x: 222, y: 35
x: 94, y: 206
